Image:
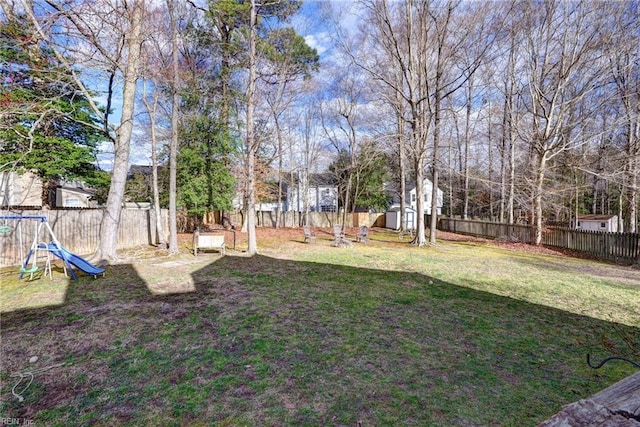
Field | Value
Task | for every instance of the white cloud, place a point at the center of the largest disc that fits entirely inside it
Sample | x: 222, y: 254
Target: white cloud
x: 318, y: 41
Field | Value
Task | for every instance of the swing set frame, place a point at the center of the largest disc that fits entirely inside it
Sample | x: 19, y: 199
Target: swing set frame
x: 35, y: 245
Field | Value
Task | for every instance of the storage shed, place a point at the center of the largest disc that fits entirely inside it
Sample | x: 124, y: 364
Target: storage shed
x: 607, y: 223
x: 393, y: 220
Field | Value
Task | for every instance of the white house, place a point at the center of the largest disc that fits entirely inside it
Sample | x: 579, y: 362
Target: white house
x: 598, y: 223
x: 20, y: 190
x: 321, y: 194
x: 428, y: 188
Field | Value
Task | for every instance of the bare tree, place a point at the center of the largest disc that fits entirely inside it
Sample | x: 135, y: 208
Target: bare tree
x: 563, y: 66
x: 287, y: 59
x: 419, y: 41
x: 341, y: 118
x: 110, y: 224
x: 156, y: 61
x: 508, y: 132
x: 402, y: 32
x: 110, y: 31
x: 151, y: 105
x: 624, y: 60
x: 305, y: 157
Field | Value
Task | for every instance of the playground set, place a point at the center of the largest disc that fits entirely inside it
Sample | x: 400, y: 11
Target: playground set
x: 12, y: 224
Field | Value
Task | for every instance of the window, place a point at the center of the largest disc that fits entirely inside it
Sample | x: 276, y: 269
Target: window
x: 413, y: 197
x: 603, y: 225
x: 579, y: 224
x: 72, y: 202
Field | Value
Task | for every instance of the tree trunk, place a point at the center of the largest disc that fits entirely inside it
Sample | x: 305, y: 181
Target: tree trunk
x: 537, y: 197
x: 512, y: 181
x: 503, y: 166
x: 491, y: 160
x: 173, y: 148
x: 107, y: 248
x: 420, y: 238
x: 279, y: 199
x: 402, y: 166
x: 152, y: 111
x: 251, y: 142
x: 465, y: 202
x: 633, y: 151
x: 434, y: 160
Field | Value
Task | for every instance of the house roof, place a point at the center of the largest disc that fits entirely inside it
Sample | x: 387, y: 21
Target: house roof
x: 326, y: 178
x: 77, y: 190
x: 315, y: 179
x: 411, y: 185
x: 397, y: 209
x: 141, y: 169
x: 592, y: 217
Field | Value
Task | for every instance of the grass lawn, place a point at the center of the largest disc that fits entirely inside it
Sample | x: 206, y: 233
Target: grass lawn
x: 463, y: 333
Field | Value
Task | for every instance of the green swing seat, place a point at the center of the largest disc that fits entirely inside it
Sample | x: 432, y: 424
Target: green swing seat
x: 29, y: 270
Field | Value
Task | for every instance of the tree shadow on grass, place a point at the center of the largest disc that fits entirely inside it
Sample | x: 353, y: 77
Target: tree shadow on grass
x: 264, y: 341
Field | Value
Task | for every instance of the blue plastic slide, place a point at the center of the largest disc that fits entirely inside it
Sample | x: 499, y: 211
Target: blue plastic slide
x: 78, y: 262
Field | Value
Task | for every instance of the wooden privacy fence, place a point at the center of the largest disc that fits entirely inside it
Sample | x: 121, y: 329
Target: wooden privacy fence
x: 619, y: 247
x: 314, y: 219
x: 77, y: 230
x: 493, y: 230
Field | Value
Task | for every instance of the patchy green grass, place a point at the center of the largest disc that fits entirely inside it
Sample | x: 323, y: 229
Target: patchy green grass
x: 378, y: 334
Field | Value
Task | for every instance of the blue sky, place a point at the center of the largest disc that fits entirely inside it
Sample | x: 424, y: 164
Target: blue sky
x: 310, y: 22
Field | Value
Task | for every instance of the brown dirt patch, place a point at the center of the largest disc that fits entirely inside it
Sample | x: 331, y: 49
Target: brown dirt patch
x: 275, y: 237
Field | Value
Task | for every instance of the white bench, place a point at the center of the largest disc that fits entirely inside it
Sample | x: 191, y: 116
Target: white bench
x: 208, y: 241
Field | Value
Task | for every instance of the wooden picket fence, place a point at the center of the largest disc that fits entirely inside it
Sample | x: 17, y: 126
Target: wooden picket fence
x: 78, y: 230
x: 618, y: 247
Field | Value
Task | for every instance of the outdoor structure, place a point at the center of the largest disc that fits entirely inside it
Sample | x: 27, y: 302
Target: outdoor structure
x: 318, y: 194
x: 78, y: 229
x: 74, y: 197
x: 321, y: 195
x: 428, y: 189
x: 393, y: 218
x: 37, y: 247
x: 615, y: 406
x: 26, y: 191
x: 208, y: 241
x: 607, y: 223
x: 20, y: 190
